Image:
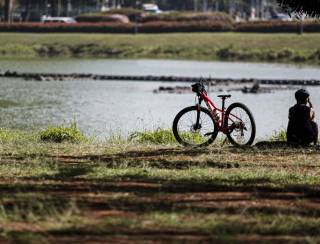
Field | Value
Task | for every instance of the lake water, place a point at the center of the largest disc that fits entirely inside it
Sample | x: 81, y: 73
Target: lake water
x: 102, y: 108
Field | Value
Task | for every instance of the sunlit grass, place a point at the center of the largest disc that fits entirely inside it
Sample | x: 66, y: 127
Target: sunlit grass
x: 60, y: 134
x: 203, y: 46
x: 158, y: 136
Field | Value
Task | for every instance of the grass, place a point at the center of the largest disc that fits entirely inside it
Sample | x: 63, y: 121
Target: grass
x: 151, y: 189
x: 159, y: 136
x: 200, y: 46
x: 61, y: 134
x: 280, y: 135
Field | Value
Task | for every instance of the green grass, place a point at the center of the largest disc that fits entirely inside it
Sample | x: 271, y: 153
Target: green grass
x: 60, y: 134
x: 15, y: 136
x: 201, y: 46
x: 159, y: 136
x: 152, y: 189
x: 280, y: 135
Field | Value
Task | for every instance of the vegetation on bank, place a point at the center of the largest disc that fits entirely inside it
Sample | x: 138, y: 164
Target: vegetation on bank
x: 201, y: 46
x: 150, y: 189
x: 62, y: 134
x: 135, y: 15
x: 93, y: 25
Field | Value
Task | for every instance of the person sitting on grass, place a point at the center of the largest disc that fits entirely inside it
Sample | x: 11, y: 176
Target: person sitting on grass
x: 302, y: 129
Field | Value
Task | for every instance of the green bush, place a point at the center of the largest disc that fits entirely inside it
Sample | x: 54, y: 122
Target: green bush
x: 159, y: 136
x: 62, y: 134
x: 226, y: 53
x: 315, y: 55
x: 285, y: 53
x: 300, y: 57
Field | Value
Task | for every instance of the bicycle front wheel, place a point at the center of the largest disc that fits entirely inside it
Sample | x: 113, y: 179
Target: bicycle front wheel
x: 241, y: 125
x: 194, y: 127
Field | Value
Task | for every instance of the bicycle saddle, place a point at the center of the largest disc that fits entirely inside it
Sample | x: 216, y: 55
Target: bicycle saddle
x: 224, y: 96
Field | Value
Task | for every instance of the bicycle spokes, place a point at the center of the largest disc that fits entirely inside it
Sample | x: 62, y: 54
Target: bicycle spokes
x: 239, y: 124
x: 194, y: 127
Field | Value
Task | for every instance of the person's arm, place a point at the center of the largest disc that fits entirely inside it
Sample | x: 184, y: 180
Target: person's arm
x: 312, y: 112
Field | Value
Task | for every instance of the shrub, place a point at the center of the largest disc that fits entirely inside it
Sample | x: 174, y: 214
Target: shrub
x: 66, y: 28
x: 285, y: 53
x: 190, y: 26
x: 316, y: 55
x: 267, y: 26
x: 277, y: 26
x: 62, y: 134
x: 160, y: 136
x: 226, y: 53
x: 163, y: 27
x: 104, y: 27
x: 299, y: 57
x: 94, y: 18
x: 188, y: 16
x: 131, y: 13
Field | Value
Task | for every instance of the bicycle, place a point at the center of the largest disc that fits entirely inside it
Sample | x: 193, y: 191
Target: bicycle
x: 199, y: 126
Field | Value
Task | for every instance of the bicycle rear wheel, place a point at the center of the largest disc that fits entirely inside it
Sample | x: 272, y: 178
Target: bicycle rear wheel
x: 193, y: 127
x: 241, y: 124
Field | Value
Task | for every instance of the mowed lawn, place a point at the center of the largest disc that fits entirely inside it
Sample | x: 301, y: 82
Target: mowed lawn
x: 192, y: 40
x: 158, y: 193
x: 207, y: 46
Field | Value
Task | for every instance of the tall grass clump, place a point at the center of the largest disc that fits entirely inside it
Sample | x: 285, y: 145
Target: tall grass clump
x: 159, y: 136
x: 62, y: 134
x: 280, y: 135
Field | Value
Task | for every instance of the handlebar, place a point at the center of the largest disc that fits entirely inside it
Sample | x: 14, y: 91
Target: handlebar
x: 199, y: 87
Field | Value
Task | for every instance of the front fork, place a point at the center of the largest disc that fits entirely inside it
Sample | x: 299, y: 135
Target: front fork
x: 197, y: 125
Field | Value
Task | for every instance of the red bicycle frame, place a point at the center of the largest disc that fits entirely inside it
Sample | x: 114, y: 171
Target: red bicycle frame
x: 222, y: 126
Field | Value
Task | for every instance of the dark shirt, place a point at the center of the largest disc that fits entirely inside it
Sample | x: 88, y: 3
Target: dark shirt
x: 300, y: 129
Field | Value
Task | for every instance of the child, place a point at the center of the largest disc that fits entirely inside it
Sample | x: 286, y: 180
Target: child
x: 302, y: 130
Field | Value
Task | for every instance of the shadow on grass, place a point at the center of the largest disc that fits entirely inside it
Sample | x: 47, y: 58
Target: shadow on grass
x: 146, y: 154
x: 154, y: 159
x: 71, y: 172
x: 149, y: 194
x: 107, y: 234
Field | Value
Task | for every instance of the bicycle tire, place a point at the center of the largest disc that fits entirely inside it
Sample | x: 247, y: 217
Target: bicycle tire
x: 252, y: 122
x: 179, y: 135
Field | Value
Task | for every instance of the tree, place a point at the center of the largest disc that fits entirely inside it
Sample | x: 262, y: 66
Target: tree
x: 7, y: 10
x: 310, y: 7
